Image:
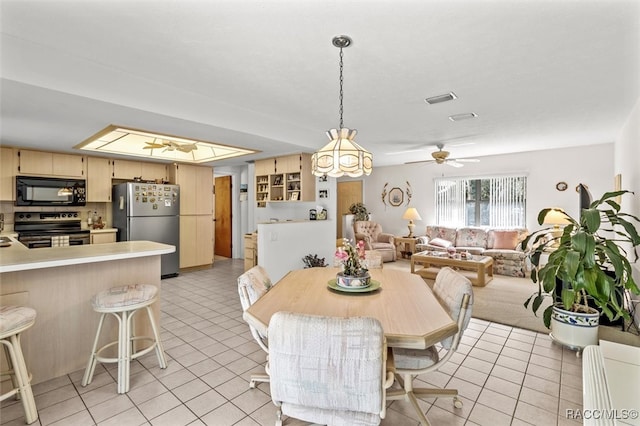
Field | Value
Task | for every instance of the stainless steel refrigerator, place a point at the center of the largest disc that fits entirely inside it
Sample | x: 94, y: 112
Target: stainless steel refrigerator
x: 149, y: 211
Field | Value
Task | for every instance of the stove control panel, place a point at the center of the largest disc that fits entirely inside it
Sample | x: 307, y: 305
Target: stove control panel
x: 46, y: 216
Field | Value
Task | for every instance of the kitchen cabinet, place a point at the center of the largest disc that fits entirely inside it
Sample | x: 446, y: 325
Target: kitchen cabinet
x: 6, y: 174
x: 265, y: 167
x: 49, y: 163
x: 250, y: 251
x: 98, y: 179
x: 125, y: 169
x: 153, y: 171
x: 196, y: 240
x: 196, y: 188
x: 103, y: 236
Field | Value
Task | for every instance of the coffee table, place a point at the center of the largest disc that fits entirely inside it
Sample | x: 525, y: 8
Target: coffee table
x: 429, y: 264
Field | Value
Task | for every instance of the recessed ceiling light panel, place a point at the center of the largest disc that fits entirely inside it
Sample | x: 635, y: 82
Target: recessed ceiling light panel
x: 465, y: 116
x: 141, y: 143
x: 441, y: 98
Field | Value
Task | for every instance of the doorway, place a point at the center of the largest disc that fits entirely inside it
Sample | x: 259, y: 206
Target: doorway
x: 349, y: 192
x: 222, y: 239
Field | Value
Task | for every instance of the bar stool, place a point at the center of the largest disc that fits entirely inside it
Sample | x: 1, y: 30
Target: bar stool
x: 13, y: 321
x: 123, y: 303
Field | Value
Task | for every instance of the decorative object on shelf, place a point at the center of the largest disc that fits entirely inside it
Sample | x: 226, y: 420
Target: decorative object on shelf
x: 294, y: 196
x: 313, y: 261
x: 588, y: 264
x: 322, y: 214
x: 359, y: 211
x: 354, y: 273
x: 277, y: 180
x: 411, y: 214
x: 396, y: 197
x: 561, y: 186
x: 342, y: 155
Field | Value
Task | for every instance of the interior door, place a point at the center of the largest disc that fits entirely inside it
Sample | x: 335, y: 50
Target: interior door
x: 223, y: 216
x: 349, y: 192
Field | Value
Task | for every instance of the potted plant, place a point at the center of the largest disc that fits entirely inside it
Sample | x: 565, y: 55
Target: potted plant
x: 589, y: 261
x: 359, y: 211
x: 313, y: 261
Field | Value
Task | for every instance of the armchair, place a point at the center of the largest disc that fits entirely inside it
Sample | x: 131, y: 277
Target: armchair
x: 328, y: 370
x: 374, y: 239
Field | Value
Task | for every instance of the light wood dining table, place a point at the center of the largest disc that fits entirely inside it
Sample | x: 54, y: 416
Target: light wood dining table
x: 409, y: 312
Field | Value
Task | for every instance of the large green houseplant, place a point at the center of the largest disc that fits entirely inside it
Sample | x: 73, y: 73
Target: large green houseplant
x: 590, y: 260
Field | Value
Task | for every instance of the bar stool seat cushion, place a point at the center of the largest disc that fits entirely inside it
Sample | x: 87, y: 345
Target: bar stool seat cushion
x: 15, y: 318
x: 124, y: 298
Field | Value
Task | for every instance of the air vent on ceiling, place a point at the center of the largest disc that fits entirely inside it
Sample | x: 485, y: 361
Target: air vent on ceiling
x: 441, y: 98
x: 460, y: 117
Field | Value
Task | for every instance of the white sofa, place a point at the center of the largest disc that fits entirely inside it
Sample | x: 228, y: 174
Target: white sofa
x: 503, y: 245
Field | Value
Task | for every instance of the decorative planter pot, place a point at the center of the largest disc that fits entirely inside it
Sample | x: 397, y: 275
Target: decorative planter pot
x: 351, y: 281
x: 574, y: 329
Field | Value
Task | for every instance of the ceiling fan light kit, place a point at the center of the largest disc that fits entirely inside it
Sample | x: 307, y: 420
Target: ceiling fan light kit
x: 442, y: 157
x: 342, y: 155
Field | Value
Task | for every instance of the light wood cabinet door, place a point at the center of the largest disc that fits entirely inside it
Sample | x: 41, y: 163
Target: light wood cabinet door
x: 196, y: 240
x: 124, y: 169
x: 7, y: 172
x: 103, y: 238
x: 98, y: 179
x: 186, y: 177
x: 153, y: 171
x: 288, y: 164
x: 68, y: 165
x: 265, y: 167
x: 204, y: 239
x: 204, y: 190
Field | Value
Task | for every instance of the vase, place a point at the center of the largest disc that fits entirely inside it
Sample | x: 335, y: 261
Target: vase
x: 351, y: 281
x: 574, y: 329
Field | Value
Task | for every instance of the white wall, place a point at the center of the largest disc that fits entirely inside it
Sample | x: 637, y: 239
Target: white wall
x: 592, y: 165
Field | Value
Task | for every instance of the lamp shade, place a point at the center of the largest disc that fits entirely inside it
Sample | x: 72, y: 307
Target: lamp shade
x: 411, y: 214
x: 342, y: 156
x: 556, y: 217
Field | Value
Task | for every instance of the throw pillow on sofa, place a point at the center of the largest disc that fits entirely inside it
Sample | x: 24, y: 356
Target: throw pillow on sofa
x: 507, y: 240
x: 439, y: 242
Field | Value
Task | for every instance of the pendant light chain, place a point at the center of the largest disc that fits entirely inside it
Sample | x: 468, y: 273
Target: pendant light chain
x: 341, y: 91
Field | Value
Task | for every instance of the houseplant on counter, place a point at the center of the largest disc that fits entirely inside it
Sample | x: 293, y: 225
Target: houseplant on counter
x: 588, y: 262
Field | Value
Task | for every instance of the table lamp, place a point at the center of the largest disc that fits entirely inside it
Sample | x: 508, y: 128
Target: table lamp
x: 411, y: 214
x: 556, y: 217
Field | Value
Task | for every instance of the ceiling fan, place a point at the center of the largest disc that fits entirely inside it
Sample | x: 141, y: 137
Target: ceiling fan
x: 442, y: 157
x: 171, y: 146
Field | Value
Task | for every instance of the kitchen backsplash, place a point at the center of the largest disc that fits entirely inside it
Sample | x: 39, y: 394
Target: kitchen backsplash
x: 102, y: 209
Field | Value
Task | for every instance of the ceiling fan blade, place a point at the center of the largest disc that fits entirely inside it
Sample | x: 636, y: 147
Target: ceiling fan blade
x: 466, y: 160
x: 454, y: 163
x: 420, y: 161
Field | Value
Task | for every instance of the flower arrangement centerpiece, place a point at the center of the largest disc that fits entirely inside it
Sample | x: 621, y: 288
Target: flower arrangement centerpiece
x: 354, y: 272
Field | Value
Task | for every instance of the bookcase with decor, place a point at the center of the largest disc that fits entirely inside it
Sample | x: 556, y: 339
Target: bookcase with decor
x: 284, y: 179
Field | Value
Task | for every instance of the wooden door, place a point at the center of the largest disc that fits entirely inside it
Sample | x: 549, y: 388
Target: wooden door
x: 223, y: 216
x: 349, y: 192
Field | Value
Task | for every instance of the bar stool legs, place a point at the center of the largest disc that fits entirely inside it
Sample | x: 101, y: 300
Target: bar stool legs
x: 123, y: 303
x: 15, y: 320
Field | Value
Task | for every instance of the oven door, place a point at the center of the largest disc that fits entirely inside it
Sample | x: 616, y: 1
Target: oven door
x: 79, y: 239
x: 36, y: 241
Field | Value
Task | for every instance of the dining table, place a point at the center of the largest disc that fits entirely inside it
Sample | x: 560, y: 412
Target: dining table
x: 410, y: 314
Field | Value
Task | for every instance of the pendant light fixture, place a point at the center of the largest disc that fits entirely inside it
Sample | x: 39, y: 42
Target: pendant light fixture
x: 342, y: 155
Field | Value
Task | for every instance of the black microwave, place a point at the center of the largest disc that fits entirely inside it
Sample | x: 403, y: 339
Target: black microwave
x: 45, y: 191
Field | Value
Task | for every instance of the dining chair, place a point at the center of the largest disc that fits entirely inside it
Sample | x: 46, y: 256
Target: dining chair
x: 328, y: 370
x: 454, y: 291
x: 252, y: 285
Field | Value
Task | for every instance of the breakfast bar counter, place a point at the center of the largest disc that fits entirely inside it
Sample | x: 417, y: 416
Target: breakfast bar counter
x: 59, y: 282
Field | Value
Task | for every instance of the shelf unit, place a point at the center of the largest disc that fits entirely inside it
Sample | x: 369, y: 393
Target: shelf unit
x: 293, y: 187
x: 262, y: 190
x: 277, y: 187
x: 284, y: 179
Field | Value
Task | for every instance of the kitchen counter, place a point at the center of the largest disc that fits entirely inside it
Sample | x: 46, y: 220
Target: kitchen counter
x: 19, y: 258
x: 59, y: 283
x: 103, y: 230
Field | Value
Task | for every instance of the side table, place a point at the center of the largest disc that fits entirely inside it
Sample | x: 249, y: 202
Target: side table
x: 406, y: 243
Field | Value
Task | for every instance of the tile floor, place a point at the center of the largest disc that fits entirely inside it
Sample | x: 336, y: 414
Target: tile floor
x: 505, y: 375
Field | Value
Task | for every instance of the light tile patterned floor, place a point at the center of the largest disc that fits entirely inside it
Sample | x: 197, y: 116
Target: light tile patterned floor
x: 505, y: 375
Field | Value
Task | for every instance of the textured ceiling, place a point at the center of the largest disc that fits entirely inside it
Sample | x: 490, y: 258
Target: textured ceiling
x: 264, y: 75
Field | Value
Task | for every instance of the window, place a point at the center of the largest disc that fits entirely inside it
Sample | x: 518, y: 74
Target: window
x: 498, y: 202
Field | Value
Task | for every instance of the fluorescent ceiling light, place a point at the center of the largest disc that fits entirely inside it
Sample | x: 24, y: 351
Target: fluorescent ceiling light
x: 141, y: 143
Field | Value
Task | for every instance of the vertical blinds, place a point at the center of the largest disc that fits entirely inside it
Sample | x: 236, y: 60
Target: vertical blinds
x: 503, y: 207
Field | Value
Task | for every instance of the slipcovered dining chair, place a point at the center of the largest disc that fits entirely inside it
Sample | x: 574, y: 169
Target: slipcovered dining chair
x: 455, y: 293
x: 252, y: 285
x: 328, y: 370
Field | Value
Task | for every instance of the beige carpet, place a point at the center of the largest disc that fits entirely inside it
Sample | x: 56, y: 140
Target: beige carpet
x: 502, y: 299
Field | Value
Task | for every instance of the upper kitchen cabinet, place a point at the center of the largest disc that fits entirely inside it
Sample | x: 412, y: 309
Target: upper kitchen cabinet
x: 265, y: 167
x: 6, y: 174
x: 49, y: 163
x: 98, y: 179
x: 126, y: 169
x: 196, y: 188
